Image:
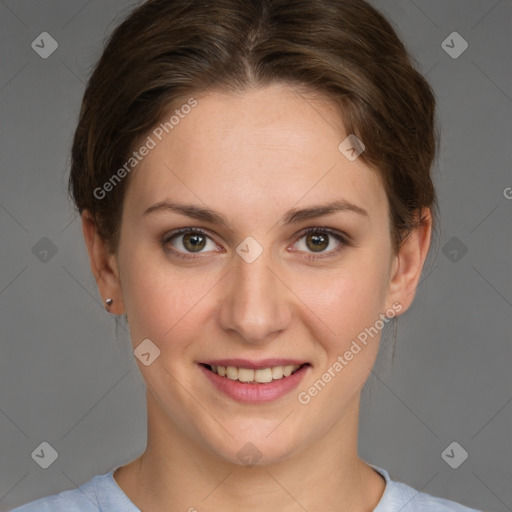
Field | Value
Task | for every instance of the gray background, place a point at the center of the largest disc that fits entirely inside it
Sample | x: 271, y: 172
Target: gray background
x: 67, y: 379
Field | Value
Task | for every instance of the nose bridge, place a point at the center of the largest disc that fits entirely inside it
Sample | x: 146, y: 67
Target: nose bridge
x: 256, y: 304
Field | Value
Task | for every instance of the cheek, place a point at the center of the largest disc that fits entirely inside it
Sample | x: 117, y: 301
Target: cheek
x: 159, y: 302
x: 350, y: 298
x: 350, y: 305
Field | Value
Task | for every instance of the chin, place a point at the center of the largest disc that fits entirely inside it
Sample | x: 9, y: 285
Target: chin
x: 257, y: 448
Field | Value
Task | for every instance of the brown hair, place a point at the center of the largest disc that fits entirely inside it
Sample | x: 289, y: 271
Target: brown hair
x: 167, y: 50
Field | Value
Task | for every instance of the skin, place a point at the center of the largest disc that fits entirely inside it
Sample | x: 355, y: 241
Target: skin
x: 251, y: 157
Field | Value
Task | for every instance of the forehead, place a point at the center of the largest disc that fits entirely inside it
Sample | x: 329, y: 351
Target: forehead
x: 260, y: 148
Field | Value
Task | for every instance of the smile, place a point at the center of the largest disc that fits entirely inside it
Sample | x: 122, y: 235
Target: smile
x: 267, y: 382
x: 251, y: 376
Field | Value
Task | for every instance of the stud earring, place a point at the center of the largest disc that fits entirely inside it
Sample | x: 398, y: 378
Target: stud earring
x: 109, y: 302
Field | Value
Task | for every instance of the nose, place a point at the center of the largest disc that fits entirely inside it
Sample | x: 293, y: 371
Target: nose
x: 257, y: 303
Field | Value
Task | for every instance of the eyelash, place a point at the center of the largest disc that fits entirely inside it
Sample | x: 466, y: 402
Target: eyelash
x: 344, y: 241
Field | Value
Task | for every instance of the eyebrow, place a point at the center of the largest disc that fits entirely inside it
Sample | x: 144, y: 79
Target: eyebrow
x: 292, y: 216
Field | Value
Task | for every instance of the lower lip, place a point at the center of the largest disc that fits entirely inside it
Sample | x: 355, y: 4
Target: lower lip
x: 255, y: 393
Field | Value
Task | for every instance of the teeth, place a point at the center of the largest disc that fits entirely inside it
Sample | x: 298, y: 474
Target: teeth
x: 277, y: 372
x: 232, y: 373
x: 263, y: 375
x: 287, y: 370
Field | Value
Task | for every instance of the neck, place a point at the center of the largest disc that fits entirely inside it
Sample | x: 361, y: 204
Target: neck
x: 177, y: 473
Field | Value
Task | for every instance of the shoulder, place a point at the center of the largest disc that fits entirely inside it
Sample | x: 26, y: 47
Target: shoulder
x: 82, y: 499
x: 401, y: 497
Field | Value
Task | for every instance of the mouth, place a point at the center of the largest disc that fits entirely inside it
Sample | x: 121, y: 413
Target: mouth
x: 262, y: 375
x: 254, y: 382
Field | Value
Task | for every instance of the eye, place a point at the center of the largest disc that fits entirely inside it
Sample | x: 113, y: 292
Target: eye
x: 188, y: 241
x: 317, y: 240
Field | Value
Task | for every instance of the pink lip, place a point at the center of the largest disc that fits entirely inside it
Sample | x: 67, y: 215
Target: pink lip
x: 254, y: 393
x: 254, y: 365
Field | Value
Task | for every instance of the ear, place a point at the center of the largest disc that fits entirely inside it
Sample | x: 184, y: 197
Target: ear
x: 408, y: 263
x: 103, y: 265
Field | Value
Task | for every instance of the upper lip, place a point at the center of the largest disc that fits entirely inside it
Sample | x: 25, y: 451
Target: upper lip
x: 255, y: 365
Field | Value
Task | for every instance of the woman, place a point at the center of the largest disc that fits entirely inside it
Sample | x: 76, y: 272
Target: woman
x: 253, y: 179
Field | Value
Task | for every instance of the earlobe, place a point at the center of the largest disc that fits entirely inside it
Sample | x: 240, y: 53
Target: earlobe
x: 409, y: 261
x: 103, y: 266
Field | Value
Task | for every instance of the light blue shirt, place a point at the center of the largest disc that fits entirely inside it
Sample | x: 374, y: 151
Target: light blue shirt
x: 102, y: 494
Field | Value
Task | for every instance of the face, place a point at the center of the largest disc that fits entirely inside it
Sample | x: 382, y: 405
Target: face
x: 275, y: 251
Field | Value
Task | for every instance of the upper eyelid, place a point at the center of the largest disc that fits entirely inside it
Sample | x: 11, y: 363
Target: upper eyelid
x: 320, y: 229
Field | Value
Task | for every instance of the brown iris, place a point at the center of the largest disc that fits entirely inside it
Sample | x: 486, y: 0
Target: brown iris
x: 194, y: 242
x: 319, y: 241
